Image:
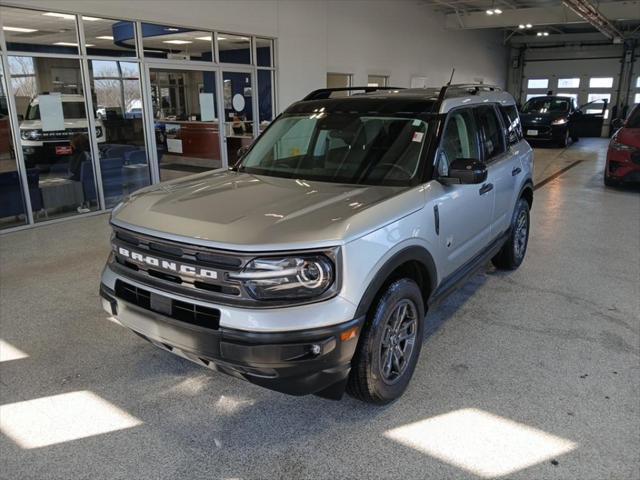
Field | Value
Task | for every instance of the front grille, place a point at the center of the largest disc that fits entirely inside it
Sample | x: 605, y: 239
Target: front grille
x: 176, y: 255
x: 178, y: 310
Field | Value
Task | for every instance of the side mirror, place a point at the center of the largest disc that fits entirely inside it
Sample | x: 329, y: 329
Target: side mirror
x: 466, y: 171
x: 617, y: 123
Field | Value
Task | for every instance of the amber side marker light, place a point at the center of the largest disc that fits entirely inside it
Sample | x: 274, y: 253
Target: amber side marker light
x: 349, y: 334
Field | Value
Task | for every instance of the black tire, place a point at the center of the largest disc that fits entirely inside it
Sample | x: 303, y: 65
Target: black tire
x: 370, y: 380
x: 609, y: 182
x: 513, y: 251
x: 563, y: 141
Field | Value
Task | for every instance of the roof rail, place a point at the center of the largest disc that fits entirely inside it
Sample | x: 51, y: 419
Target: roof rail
x: 324, y: 93
x: 475, y: 86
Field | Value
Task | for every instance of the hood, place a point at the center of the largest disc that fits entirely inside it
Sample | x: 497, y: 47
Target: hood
x: 540, y: 118
x: 68, y: 123
x: 247, y: 212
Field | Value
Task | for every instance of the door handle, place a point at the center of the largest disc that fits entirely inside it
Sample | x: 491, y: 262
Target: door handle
x: 515, y: 171
x: 487, y: 187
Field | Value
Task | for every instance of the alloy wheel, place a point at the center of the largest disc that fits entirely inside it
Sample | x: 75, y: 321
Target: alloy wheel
x: 398, y: 341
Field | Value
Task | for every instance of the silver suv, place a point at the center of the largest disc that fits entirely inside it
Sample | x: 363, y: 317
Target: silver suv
x: 309, y: 266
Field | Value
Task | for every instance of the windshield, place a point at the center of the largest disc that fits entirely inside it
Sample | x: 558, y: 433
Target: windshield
x: 341, y: 148
x: 634, y: 119
x: 546, y: 105
x: 69, y: 110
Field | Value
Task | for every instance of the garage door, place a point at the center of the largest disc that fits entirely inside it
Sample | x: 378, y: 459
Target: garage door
x: 586, y: 80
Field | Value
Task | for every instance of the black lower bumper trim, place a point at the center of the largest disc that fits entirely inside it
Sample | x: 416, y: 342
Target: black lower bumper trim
x: 297, y: 363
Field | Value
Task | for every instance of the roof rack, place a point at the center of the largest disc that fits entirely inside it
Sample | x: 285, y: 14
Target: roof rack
x: 474, y: 87
x: 324, y: 93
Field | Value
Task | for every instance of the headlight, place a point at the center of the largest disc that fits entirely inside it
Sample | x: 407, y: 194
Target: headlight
x: 621, y: 147
x: 559, y: 121
x: 297, y: 277
x: 98, y: 131
x: 30, y: 134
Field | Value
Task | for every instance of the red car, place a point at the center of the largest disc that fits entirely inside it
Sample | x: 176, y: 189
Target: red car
x: 623, y: 157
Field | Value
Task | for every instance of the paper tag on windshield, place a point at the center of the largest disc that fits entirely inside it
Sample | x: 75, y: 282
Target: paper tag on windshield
x: 417, y: 122
x: 417, y: 136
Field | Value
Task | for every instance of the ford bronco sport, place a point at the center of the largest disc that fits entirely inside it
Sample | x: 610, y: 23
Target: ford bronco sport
x: 309, y: 266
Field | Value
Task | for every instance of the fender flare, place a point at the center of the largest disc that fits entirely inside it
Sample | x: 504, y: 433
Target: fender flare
x: 527, y: 185
x: 412, y: 253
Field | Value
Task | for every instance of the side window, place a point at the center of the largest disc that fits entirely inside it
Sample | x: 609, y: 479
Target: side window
x: 459, y: 140
x: 493, y: 141
x: 512, y: 121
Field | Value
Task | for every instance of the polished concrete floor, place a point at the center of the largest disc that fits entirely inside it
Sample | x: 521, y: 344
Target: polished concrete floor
x: 533, y: 374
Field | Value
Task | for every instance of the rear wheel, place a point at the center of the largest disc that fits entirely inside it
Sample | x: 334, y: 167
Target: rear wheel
x: 513, y: 251
x: 389, y: 345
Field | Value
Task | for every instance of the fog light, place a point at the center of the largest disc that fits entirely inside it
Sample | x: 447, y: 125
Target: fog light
x: 315, y: 349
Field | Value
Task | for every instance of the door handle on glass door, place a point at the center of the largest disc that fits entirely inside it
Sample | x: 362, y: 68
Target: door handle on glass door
x: 487, y: 187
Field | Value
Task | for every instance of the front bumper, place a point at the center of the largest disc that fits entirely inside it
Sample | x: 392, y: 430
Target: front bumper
x: 623, y: 167
x: 544, y: 132
x: 294, y: 362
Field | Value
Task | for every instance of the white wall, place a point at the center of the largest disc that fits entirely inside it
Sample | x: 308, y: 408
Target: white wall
x: 399, y: 38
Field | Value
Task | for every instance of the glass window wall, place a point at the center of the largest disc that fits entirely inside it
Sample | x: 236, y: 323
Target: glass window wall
x: 176, y: 43
x: 12, y: 205
x: 116, y: 95
x: 54, y: 133
x: 109, y: 38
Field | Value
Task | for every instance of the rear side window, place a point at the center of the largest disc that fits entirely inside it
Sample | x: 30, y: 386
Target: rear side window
x: 493, y: 139
x: 512, y: 121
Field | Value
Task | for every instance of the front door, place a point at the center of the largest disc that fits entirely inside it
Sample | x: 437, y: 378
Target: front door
x: 587, y: 121
x: 238, y: 122
x: 464, y: 211
x: 185, y: 120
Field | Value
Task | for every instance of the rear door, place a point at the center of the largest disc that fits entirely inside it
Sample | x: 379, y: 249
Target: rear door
x: 588, y: 119
x: 463, y: 212
x: 502, y: 164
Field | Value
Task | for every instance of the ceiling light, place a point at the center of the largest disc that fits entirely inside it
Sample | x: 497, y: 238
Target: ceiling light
x: 90, y: 19
x: 66, y: 44
x: 528, y: 25
x: 89, y: 45
x: 206, y: 39
x: 546, y: 34
x: 497, y: 11
x: 172, y: 29
x: 222, y: 38
x: 539, y: 34
x: 177, y: 42
x: 489, y: 12
x: 19, y: 29
x: 66, y: 16
x: 105, y: 37
x: 521, y: 27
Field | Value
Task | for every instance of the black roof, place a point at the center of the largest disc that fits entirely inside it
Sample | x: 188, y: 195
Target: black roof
x: 378, y: 103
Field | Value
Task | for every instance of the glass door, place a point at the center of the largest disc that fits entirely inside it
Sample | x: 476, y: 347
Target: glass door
x: 238, y: 99
x: 186, y: 127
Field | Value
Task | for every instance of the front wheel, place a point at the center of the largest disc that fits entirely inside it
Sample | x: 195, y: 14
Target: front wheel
x: 513, y: 251
x: 563, y: 142
x: 389, y: 345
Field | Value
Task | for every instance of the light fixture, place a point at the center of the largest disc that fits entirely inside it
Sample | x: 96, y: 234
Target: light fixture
x: 90, y: 19
x: 521, y: 27
x: 528, y: 25
x: 205, y: 39
x: 490, y: 12
x: 177, y: 42
x: 105, y: 37
x: 222, y: 38
x: 66, y: 44
x: 19, y: 29
x: 546, y: 34
x: 497, y: 11
x: 539, y: 34
x: 66, y: 16
x: 172, y: 29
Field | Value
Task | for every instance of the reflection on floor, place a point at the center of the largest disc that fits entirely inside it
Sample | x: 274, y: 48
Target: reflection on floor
x: 547, y: 353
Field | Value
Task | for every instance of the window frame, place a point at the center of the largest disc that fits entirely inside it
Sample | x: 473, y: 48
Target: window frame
x: 445, y: 124
x: 518, y: 129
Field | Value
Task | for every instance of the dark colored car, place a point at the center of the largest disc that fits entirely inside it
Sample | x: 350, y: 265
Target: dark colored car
x: 556, y: 119
x: 623, y: 156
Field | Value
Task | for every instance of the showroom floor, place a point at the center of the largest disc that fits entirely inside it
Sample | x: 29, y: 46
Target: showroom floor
x: 531, y: 374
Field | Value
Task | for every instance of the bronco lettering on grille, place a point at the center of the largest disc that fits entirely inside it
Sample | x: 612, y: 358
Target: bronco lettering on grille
x: 168, y: 265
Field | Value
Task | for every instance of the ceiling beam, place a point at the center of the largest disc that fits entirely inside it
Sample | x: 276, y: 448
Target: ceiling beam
x: 562, y: 38
x: 626, y: 10
x: 592, y: 15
